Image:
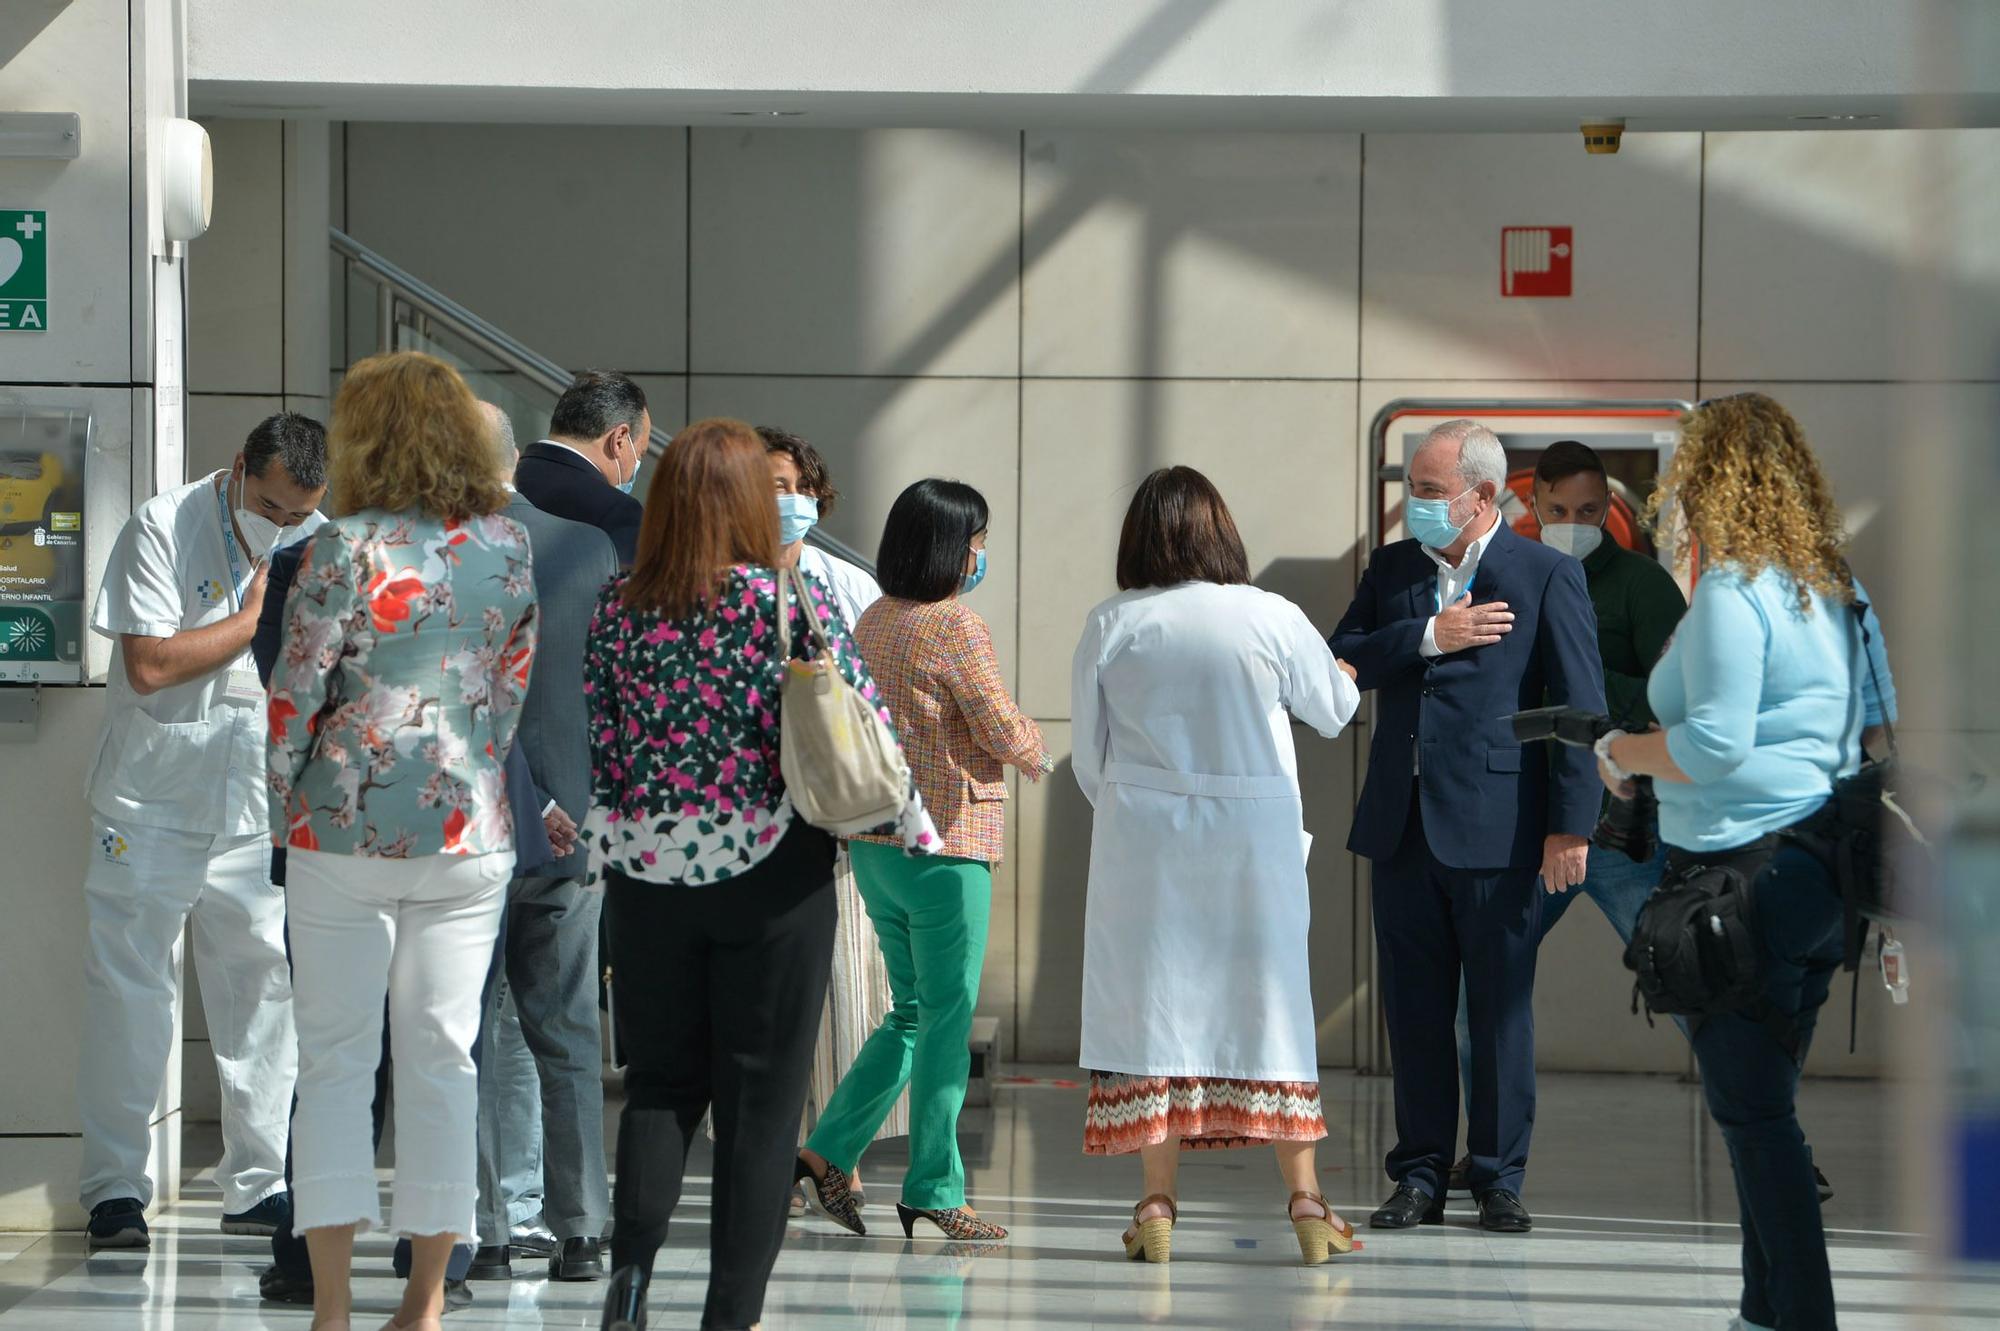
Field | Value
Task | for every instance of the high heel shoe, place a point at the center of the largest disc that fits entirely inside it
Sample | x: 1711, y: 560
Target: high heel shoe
x: 1152, y: 1240
x: 831, y: 1196
x: 1318, y: 1237
x: 955, y: 1222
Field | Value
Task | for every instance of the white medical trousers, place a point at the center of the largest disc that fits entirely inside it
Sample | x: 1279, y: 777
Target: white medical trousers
x: 145, y: 885
x: 421, y: 930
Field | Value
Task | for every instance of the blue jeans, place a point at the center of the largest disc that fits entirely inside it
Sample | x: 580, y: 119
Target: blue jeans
x: 1751, y: 1080
x: 1618, y: 886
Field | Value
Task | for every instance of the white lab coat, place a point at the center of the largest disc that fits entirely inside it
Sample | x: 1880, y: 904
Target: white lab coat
x: 853, y: 590
x: 188, y: 758
x: 1194, y: 947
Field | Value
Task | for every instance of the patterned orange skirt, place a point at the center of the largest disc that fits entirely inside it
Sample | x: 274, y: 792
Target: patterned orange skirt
x: 1126, y: 1112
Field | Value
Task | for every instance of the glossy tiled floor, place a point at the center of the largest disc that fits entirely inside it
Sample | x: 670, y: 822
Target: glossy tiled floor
x: 1630, y: 1189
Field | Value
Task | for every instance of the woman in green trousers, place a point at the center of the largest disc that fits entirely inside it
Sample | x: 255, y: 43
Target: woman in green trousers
x: 933, y: 660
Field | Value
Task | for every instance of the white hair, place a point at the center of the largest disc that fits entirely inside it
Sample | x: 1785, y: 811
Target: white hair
x: 1481, y: 456
x: 504, y: 448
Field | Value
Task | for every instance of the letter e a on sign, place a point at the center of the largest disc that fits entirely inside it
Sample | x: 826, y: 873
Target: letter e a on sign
x: 24, y: 270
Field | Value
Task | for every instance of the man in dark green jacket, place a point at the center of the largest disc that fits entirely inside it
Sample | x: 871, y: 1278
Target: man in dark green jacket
x: 1638, y: 604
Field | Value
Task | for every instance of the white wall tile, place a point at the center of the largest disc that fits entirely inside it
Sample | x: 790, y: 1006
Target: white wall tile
x: 1204, y: 255
x: 307, y: 265
x: 1433, y: 210
x: 571, y: 237
x: 1818, y: 247
x: 236, y: 272
x: 217, y: 427
x: 881, y: 435
x: 1281, y: 453
x: 890, y: 252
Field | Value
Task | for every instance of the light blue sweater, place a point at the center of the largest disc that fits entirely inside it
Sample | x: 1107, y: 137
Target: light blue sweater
x: 1763, y: 707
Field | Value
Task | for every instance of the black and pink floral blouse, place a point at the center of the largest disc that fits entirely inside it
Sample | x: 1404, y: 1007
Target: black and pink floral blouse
x: 685, y: 786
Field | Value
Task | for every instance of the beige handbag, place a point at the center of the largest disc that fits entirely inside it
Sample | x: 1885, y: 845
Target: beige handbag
x: 841, y: 763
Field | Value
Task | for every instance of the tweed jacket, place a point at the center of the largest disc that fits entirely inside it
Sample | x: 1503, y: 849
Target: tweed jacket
x: 934, y: 662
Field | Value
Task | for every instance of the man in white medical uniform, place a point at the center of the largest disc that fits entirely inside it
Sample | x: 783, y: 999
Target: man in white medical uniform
x: 180, y: 835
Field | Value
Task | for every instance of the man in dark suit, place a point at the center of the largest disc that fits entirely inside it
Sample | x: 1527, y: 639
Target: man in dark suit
x: 551, y: 939
x: 1454, y: 630
x: 289, y: 1278
x: 584, y: 469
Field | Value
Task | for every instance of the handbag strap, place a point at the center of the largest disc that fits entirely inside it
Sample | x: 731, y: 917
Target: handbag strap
x: 793, y: 580
x: 1860, y: 609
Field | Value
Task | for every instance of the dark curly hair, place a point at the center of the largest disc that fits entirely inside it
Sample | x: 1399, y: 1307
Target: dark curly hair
x: 814, y: 478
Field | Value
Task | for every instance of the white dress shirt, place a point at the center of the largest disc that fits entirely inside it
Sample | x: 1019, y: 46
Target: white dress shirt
x: 1454, y: 582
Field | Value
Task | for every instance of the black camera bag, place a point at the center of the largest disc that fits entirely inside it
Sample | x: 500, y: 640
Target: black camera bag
x: 1693, y: 951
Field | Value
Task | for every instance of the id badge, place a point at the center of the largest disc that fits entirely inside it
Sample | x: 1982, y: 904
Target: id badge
x: 242, y: 687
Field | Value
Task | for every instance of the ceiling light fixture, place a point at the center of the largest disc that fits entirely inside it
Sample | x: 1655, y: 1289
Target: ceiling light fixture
x: 1838, y: 117
x: 774, y: 114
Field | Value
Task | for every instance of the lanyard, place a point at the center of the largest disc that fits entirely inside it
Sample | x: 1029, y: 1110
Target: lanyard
x: 237, y: 582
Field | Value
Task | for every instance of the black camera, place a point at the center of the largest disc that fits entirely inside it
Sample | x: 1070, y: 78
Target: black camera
x: 1627, y: 825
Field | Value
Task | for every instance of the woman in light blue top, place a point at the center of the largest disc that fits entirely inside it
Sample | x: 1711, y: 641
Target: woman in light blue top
x: 1766, y: 697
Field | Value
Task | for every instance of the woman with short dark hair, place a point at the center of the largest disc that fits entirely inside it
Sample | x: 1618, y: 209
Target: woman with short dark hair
x: 934, y: 659
x: 1198, y: 1022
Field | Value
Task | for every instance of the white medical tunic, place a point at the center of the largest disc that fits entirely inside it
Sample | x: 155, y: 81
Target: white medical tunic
x: 853, y: 590
x: 1195, y: 961
x: 191, y: 757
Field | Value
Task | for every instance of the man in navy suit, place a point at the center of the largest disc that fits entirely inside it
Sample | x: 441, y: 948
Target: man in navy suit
x: 1454, y: 630
x: 585, y: 468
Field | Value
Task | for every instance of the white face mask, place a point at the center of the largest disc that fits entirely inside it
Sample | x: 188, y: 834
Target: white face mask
x: 1573, y: 538
x: 260, y: 534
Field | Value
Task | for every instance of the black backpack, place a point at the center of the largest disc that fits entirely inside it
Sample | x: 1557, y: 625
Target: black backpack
x: 1693, y: 951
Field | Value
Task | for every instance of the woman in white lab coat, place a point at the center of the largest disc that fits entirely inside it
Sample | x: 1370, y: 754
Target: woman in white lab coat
x: 1197, y: 1000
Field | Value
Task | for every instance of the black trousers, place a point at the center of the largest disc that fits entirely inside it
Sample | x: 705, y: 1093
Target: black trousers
x: 1434, y: 923
x: 717, y: 992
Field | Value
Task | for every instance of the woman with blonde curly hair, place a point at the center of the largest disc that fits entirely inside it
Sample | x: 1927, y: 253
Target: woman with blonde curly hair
x: 409, y: 633
x: 1767, y: 696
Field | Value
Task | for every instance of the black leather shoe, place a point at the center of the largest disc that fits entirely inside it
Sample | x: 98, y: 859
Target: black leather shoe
x: 457, y: 1295
x: 577, y: 1259
x: 1825, y: 1188
x: 532, y: 1239
x: 1501, y: 1212
x: 490, y: 1262
x: 1460, y: 1178
x: 277, y: 1285
x: 1407, y: 1208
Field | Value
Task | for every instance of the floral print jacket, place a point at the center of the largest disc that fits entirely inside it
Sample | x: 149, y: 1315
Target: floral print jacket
x: 685, y: 786
x: 408, y: 642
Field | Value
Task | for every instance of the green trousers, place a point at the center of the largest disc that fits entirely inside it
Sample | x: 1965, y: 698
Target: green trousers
x: 930, y: 913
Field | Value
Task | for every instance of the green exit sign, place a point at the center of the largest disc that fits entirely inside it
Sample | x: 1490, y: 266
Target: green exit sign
x: 24, y: 271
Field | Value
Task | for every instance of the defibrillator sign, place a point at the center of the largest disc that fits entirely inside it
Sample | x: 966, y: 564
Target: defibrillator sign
x: 24, y: 271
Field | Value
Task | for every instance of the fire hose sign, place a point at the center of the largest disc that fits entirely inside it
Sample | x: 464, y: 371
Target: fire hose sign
x: 1534, y: 260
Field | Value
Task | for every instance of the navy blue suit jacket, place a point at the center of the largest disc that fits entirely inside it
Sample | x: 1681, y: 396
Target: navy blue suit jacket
x: 1487, y: 802
x: 557, y: 481
x: 531, y: 839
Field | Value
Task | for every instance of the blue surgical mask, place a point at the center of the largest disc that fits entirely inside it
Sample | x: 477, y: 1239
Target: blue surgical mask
x: 978, y: 574
x: 797, y: 515
x: 1429, y: 520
